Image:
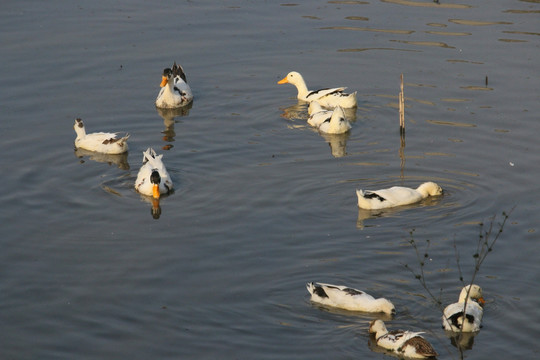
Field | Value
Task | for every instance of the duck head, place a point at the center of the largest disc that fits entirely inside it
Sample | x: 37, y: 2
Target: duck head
x: 155, y: 179
x: 378, y: 328
x: 430, y: 189
x: 292, y: 78
x: 166, y: 76
x: 475, y: 293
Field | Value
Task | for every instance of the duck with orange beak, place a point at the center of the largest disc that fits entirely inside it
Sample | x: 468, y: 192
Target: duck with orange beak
x: 153, y: 178
x: 175, y: 91
x: 467, y: 318
x: 328, y: 98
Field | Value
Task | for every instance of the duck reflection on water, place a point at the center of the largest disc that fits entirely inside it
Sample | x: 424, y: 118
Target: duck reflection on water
x: 337, y: 142
x: 169, y: 116
x: 119, y: 160
x: 364, y: 214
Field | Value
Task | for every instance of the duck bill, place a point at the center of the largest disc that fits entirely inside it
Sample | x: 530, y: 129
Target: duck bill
x: 283, y: 81
x: 481, y: 301
x: 155, y: 191
x: 163, y: 81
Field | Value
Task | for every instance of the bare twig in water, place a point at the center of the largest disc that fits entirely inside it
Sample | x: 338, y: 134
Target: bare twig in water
x: 486, y: 241
x: 402, y: 109
x: 402, y: 128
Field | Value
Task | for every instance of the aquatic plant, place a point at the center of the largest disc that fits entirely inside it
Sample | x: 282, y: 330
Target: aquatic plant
x: 487, y: 237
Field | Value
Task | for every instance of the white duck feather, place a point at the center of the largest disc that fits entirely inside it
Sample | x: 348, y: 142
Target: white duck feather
x: 328, y: 121
x: 396, y: 196
x: 105, y: 143
x: 405, y: 343
x: 347, y: 298
x: 337, y: 124
x: 329, y: 97
x: 453, y: 319
x: 318, y: 114
x: 175, y: 91
x: 153, y: 178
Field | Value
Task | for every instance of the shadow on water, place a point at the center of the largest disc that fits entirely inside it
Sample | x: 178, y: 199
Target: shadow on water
x: 463, y: 341
x: 364, y: 214
x: 169, y: 116
x: 337, y: 142
x: 355, y: 315
x: 155, y: 209
x: 119, y: 160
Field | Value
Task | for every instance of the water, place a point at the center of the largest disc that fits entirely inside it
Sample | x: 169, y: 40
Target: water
x: 263, y: 204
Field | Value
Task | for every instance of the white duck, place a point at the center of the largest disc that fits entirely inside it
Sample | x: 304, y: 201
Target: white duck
x: 153, y: 179
x: 105, y: 143
x: 328, y: 121
x: 452, y: 319
x: 317, y: 114
x: 405, y: 343
x: 337, y: 124
x: 347, y: 298
x: 175, y: 91
x: 326, y: 97
x: 396, y: 196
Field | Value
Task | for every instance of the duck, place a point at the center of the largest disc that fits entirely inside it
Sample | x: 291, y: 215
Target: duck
x: 318, y: 114
x: 337, y: 124
x: 329, y: 97
x: 396, y: 196
x: 175, y: 91
x: 105, y: 143
x: 328, y: 121
x: 405, y: 343
x: 153, y: 178
x: 347, y: 298
x: 452, y: 319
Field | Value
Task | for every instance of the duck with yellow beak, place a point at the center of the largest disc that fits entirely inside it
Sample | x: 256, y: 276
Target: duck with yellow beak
x: 175, y: 91
x: 153, y: 178
x: 466, y: 318
x: 328, y: 98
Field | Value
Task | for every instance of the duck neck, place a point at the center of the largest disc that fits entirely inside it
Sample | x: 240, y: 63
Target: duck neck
x: 81, y: 132
x: 381, y: 333
x: 170, y: 85
x: 422, y: 189
x: 302, y: 89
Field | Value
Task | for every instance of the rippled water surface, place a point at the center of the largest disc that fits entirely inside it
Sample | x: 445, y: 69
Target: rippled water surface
x: 263, y: 203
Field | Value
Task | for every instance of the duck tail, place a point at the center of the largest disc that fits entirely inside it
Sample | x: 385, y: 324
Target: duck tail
x: 148, y: 155
x: 310, y: 286
x: 353, y: 102
x: 179, y: 71
x: 361, y: 199
x: 123, y: 139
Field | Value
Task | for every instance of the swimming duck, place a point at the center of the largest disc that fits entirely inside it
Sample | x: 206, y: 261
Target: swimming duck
x: 396, y: 196
x: 405, y: 343
x: 153, y: 179
x: 318, y: 114
x: 326, y: 97
x: 347, y: 298
x: 453, y: 314
x: 175, y: 91
x: 337, y: 124
x: 105, y: 143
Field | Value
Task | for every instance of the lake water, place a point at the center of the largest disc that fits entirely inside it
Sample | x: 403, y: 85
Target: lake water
x: 262, y: 202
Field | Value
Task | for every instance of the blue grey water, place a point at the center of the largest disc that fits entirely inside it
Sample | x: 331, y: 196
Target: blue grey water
x: 263, y: 203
